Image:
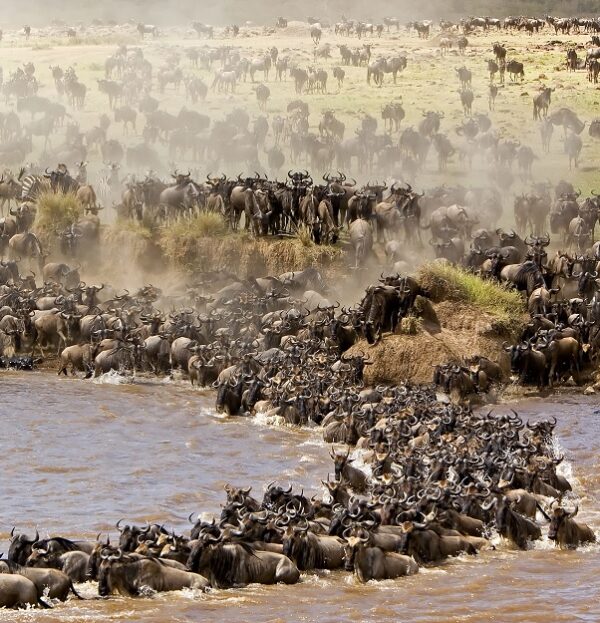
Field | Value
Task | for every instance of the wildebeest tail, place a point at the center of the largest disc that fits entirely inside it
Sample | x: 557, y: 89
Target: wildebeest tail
x: 74, y: 591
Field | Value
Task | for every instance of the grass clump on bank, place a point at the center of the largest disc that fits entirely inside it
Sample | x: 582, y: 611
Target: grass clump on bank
x: 183, y: 240
x: 205, y: 242
x: 55, y: 212
x: 450, y: 283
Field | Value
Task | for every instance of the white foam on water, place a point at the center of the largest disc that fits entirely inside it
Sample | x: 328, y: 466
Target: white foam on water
x: 112, y: 378
x: 262, y: 418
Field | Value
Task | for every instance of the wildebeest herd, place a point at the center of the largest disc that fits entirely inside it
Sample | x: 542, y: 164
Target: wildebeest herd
x: 278, y: 346
x: 418, y: 506
x: 428, y: 477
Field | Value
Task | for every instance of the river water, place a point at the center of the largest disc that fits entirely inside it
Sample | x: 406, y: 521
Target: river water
x: 78, y: 455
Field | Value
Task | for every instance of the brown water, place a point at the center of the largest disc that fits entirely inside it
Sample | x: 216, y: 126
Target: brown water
x: 78, y: 455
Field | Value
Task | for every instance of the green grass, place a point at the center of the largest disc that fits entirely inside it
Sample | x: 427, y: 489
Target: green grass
x: 206, y: 241
x: 303, y: 235
x: 446, y: 282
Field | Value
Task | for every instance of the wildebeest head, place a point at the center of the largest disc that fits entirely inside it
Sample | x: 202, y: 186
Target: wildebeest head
x: 236, y: 494
x: 108, y: 557
x: 275, y: 496
x: 42, y: 558
x: 181, y: 179
x: 515, y: 353
x: 96, y: 558
x: 558, y: 518
x: 128, y: 540
x: 202, y: 553
x: 356, y: 540
x: 295, y: 544
x: 20, y: 547
x: 340, y: 461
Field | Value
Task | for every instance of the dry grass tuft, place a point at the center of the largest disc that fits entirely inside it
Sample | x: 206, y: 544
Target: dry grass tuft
x: 204, y: 242
x: 56, y: 212
x: 183, y: 240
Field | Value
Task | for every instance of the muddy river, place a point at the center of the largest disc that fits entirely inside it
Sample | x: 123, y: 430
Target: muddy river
x: 78, y: 455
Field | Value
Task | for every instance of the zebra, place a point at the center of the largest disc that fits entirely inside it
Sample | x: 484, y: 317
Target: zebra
x: 32, y: 186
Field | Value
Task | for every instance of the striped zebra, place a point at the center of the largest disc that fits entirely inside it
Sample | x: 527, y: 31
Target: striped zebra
x: 32, y: 186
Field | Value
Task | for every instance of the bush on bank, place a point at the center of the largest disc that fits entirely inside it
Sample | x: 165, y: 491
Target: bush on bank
x: 205, y: 243
x: 55, y: 212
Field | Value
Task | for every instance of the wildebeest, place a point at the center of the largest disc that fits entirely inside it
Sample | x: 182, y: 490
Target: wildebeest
x: 466, y: 99
x: 20, y: 547
x: 49, y: 582
x: 573, y: 147
x: 355, y: 478
x: 236, y: 564
x: 515, y: 69
x: 541, y: 102
x: 372, y: 563
x: 17, y: 591
x: 149, y: 29
x: 361, y: 237
x: 513, y: 526
x: 131, y: 574
x: 382, y: 306
x: 568, y: 533
x: 312, y: 551
x: 75, y: 564
x: 464, y: 75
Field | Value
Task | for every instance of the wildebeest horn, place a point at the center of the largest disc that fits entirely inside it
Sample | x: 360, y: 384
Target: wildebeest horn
x: 575, y: 511
x: 117, y: 525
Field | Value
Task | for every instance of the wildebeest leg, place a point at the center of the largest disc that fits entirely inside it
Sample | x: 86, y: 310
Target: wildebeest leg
x: 524, y: 373
x: 37, y: 342
x: 64, y: 339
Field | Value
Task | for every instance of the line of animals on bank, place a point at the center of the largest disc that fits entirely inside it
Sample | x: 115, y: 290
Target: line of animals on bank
x: 442, y: 478
x: 222, y: 318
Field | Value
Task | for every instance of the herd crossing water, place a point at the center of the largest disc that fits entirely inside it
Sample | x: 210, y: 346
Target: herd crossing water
x: 83, y: 454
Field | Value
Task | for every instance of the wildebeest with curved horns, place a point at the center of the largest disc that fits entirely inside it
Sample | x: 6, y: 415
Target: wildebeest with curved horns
x: 131, y: 574
x: 312, y: 551
x: 236, y: 564
x: 17, y: 591
x: 372, y: 563
x: 568, y: 533
x: 525, y: 276
x: 21, y: 546
x: 51, y: 582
